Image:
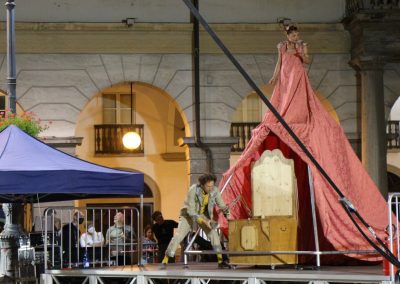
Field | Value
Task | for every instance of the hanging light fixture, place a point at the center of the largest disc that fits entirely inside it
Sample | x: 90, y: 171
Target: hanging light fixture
x: 131, y: 140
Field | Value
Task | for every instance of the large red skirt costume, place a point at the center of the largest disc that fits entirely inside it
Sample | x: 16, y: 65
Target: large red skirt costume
x: 297, y: 103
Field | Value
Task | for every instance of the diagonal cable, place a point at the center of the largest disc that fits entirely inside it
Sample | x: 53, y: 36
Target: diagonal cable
x: 349, y: 208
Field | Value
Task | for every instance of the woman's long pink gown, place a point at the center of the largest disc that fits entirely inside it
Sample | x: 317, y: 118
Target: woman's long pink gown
x: 297, y: 103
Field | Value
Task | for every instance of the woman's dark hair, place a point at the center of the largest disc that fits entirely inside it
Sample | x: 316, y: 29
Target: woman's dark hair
x: 290, y: 29
x: 203, y: 179
x: 148, y: 227
x: 287, y: 25
x: 155, y: 215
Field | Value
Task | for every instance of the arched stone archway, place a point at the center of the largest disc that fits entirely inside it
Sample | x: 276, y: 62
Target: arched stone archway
x: 162, y: 160
x: 150, y: 106
x: 61, y: 85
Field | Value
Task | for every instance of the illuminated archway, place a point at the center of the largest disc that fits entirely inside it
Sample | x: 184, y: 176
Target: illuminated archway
x: 162, y: 121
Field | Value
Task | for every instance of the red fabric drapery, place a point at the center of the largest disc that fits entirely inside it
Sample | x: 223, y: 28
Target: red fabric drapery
x: 295, y: 100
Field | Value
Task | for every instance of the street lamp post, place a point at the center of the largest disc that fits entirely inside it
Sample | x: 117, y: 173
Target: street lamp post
x: 11, y: 66
x: 9, y: 238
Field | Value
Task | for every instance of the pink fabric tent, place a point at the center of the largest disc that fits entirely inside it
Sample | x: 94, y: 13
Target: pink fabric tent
x: 325, y: 139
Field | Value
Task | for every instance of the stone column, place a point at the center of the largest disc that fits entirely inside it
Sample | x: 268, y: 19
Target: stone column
x: 215, y: 154
x: 373, y: 126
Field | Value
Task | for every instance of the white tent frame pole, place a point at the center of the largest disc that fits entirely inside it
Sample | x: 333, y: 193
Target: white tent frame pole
x: 314, y: 217
x: 140, y: 233
x: 227, y: 182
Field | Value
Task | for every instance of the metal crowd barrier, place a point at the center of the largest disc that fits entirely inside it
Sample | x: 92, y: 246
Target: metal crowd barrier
x: 122, y: 250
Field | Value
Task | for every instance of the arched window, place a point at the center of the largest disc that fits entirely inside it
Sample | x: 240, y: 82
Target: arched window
x: 250, y: 110
x: 246, y: 117
x: 119, y: 105
x: 118, y: 108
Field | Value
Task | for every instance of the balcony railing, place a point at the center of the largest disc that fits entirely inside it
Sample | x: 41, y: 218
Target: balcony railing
x: 243, y: 131
x: 108, y: 138
x: 359, y: 6
x: 392, y: 134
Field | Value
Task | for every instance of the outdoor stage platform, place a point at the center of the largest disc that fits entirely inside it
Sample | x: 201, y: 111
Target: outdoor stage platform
x: 197, y: 273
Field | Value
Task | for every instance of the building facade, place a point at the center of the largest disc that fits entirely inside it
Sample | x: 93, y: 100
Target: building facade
x: 93, y: 68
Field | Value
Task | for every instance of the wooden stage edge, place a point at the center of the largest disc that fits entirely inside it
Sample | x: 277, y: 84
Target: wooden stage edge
x: 247, y: 274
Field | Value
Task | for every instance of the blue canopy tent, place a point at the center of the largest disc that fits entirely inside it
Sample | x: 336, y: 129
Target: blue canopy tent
x: 31, y: 170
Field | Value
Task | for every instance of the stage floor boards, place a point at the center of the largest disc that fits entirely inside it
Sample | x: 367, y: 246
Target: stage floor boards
x: 343, y: 274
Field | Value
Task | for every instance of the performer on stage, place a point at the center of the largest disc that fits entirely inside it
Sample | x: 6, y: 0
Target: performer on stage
x: 198, y: 208
x: 291, y: 55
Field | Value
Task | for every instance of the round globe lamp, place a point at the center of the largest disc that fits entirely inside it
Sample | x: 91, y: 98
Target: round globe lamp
x: 131, y: 140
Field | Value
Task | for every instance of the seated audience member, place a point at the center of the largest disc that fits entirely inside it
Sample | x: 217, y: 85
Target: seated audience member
x: 149, y: 246
x: 70, y: 238
x: 91, y: 238
x: 118, y: 237
x: 92, y: 242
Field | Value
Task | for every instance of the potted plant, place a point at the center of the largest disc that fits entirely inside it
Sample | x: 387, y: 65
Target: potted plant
x: 27, y: 122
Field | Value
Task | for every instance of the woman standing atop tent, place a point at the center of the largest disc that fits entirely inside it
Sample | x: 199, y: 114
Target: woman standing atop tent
x: 290, y: 77
x: 295, y: 100
x: 292, y: 91
x: 292, y: 54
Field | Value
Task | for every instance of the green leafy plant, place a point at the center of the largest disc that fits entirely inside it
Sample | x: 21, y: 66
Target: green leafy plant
x: 27, y: 122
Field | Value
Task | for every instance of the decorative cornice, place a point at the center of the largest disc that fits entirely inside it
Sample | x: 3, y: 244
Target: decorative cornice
x: 32, y: 26
x: 374, y: 33
x: 368, y: 62
x: 117, y: 38
x: 375, y: 15
x: 372, y: 62
x: 64, y: 142
x: 174, y: 156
